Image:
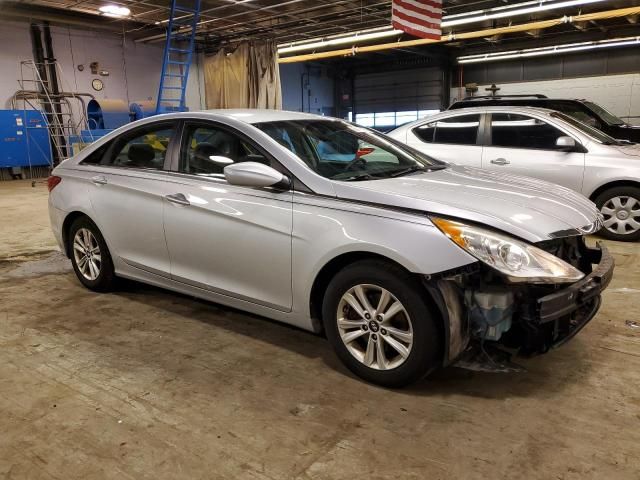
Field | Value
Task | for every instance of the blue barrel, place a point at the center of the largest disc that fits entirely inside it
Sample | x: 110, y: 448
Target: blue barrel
x: 107, y: 114
x: 142, y: 108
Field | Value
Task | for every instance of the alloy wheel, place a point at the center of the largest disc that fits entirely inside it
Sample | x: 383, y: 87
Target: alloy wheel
x: 86, y: 252
x: 375, y: 327
x: 621, y: 215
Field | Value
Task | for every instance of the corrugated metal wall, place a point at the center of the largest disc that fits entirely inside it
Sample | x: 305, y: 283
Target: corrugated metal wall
x: 584, y: 64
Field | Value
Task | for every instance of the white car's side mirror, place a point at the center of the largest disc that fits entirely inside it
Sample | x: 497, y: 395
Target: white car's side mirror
x: 566, y: 143
x: 253, y: 174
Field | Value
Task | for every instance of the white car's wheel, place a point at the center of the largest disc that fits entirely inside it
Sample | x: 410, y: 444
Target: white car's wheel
x: 620, y: 208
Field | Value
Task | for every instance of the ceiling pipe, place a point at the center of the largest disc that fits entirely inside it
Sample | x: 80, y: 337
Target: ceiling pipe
x: 544, y: 24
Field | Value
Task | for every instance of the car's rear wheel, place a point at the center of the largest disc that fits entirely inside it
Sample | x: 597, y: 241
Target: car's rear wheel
x: 620, y: 208
x: 90, y: 256
x: 380, y: 324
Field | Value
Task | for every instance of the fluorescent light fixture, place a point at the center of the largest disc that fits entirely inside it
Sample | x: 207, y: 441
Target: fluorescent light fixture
x: 360, y: 36
x: 554, y: 50
x: 447, y: 21
x: 114, y: 11
x: 510, y: 11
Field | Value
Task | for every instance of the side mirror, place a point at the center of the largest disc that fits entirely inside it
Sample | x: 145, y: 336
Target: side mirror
x: 253, y: 174
x: 566, y: 143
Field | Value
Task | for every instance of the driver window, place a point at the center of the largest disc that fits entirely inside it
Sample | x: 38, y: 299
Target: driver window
x: 521, y: 131
x: 206, y: 150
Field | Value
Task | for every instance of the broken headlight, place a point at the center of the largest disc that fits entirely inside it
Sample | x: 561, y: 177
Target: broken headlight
x: 518, y: 260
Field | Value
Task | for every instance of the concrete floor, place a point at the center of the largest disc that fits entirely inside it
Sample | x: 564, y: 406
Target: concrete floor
x: 144, y: 383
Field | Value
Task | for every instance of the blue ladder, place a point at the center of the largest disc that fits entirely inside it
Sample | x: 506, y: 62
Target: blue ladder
x: 178, y: 52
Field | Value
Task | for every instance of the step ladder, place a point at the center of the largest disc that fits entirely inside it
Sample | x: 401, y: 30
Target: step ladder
x: 56, y: 109
x: 178, y: 53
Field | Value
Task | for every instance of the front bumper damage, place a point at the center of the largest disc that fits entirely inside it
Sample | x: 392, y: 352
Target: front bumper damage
x: 488, y: 319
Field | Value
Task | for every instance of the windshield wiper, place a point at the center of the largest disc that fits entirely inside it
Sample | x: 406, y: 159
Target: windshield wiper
x: 417, y: 168
x: 357, y: 178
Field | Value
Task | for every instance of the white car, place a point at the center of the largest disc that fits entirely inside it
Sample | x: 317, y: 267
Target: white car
x: 544, y: 144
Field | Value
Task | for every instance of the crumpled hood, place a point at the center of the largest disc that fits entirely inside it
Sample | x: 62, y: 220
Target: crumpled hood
x: 531, y: 209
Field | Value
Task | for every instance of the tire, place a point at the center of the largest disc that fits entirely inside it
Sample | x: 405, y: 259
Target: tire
x: 620, y: 207
x: 391, y: 369
x: 102, y: 280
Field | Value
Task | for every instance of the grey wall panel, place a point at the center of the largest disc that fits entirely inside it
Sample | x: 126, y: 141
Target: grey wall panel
x: 582, y: 64
x: 542, y: 68
x: 509, y: 71
x: 627, y: 60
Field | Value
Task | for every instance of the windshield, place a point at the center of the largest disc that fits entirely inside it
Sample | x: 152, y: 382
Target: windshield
x: 594, y: 133
x: 609, y: 118
x: 342, y: 151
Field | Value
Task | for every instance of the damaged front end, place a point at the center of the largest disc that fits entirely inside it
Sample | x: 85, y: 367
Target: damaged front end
x: 489, y: 316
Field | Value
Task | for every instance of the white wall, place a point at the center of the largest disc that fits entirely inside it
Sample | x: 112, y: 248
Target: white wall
x: 72, y: 47
x: 620, y: 94
x: 15, y: 45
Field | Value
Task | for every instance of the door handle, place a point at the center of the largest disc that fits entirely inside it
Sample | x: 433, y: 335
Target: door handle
x: 99, y: 180
x: 500, y: 161
x: 178, y: 199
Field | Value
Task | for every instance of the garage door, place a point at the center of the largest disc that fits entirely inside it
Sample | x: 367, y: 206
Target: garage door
x: 399, y: 91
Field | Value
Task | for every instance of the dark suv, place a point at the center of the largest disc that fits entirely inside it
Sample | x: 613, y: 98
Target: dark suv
x: 585, y: 111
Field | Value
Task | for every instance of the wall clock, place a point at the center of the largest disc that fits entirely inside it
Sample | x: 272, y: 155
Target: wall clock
x: 97, y: 84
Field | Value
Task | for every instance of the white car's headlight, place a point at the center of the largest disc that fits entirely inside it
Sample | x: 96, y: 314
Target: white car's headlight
x: 518, y: 260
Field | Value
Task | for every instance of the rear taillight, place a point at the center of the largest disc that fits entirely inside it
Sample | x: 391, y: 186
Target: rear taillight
x: 53, y: 181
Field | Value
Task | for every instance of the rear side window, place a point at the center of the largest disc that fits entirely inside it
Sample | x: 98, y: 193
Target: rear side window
x: 146, y: 148
x: 96, y: 157
x: 426, y: 132
x: 521, y: 131
x: 462, y: 130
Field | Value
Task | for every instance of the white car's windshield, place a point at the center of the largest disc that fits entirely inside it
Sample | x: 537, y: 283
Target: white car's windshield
x: 341, y: 151
x: 594, y: 133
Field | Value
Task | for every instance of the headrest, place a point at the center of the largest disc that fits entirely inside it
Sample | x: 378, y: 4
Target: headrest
x: 141, y: 153
x: 204, y: 150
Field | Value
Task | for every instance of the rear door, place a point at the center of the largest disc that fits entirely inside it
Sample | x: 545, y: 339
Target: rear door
x: 526, y: 145
x: 126, y: 190
x: 229, y: 239
x: 456, y: 139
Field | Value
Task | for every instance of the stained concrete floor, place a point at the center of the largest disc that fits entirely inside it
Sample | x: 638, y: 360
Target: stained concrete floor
x: 147, y: 384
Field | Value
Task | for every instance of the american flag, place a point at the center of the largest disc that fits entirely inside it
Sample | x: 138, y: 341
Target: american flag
x: 420, y: 18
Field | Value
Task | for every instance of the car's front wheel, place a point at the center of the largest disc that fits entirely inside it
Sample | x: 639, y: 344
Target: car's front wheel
x: 379, y: 322
x: 90, y: 256
x: 620, y: 208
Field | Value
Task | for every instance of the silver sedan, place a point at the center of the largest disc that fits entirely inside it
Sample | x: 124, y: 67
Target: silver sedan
x: 405, y: 263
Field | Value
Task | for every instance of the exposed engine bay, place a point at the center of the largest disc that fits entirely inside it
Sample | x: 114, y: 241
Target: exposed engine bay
x: 491, y: 319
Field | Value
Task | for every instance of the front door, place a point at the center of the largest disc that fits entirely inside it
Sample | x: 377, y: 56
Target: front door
x: 232, y: 240
x: 525, y: 145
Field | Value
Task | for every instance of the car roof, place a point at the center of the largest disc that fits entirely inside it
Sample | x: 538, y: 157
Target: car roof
x: 258, y: 115
x: 492, y: 108
x: 523, y: 99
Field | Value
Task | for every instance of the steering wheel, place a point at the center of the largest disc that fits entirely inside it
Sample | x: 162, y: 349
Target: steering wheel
x: 354, y: 162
